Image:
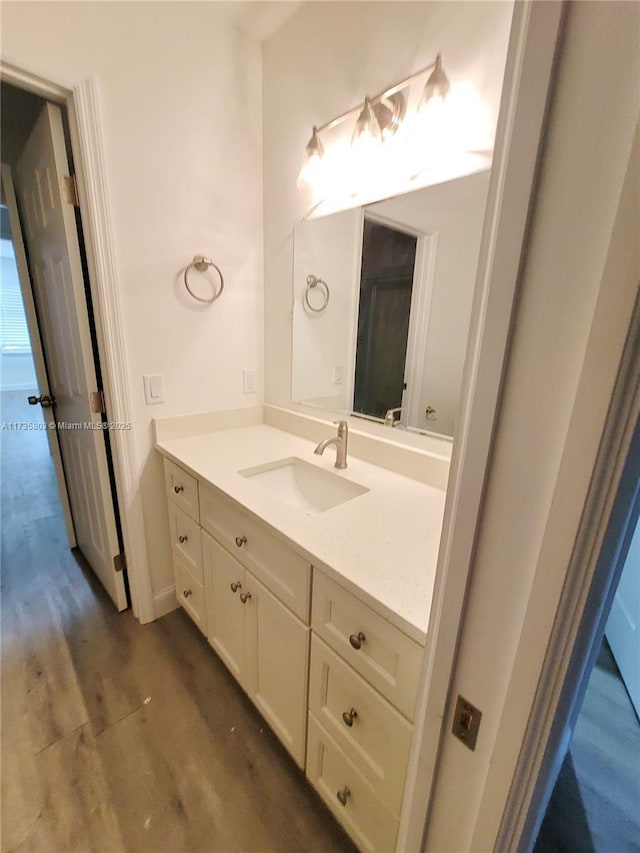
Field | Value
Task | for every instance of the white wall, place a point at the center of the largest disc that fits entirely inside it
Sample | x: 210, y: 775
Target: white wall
x: 323, y: 61
x: 180, y: 98
x: 17, y: 372
x: 330, y: 249
x: 454, y: 212
x: 577, y: 294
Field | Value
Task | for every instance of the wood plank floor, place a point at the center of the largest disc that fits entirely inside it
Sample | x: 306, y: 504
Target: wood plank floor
x: 595, y: 804
x: 117, y: 736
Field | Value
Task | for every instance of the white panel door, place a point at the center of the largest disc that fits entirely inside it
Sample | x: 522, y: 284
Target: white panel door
x: 48, y: 414
x: 51, y: 236
x: 623, y: 626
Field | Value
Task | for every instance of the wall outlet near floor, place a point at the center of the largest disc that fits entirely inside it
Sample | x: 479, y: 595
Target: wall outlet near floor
x: 153, y: 388
x: 248, y: 381
x: 338, y: 374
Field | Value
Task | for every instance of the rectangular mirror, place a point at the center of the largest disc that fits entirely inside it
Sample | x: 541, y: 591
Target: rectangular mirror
x: 382, y: 299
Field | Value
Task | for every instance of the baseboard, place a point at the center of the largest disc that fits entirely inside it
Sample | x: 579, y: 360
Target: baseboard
x: 164, y: 602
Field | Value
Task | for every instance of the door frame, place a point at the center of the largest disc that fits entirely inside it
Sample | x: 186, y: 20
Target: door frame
x: 609, y: 518
x: 529, y: 69
x: 420, y: 310
x: 85, y: 125
x: 474, y: 791
x: 37, y: 352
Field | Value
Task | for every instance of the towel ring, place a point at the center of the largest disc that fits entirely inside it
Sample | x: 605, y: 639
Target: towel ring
x: 202, y: 264
x: 312, y: 282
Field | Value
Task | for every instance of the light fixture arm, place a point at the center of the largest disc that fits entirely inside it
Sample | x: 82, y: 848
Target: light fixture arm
x: 376, y: 99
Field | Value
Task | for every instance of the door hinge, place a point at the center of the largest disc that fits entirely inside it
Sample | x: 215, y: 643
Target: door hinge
x: 96, y: 401
x: 119, y: 562
x: 70, y: 190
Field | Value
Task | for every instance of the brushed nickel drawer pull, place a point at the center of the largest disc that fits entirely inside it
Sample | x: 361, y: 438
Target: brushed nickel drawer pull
x: 244, y: 597
x: 349, y: 716
x: 182, y: 539
x: 240, y: 541
x: 235, y: 586
x: 357, y: 640
x: 187, y: 592
x: 343, y: 795
x: 178, y: 489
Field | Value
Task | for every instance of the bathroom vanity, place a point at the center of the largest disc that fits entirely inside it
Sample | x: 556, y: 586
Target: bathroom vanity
x: 314, y: 587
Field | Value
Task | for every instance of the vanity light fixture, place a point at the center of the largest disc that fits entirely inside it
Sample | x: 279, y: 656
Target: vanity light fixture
x: 311, y: 162
x: 379, y: 118
x: 437, y: 86
x: 367, y: 128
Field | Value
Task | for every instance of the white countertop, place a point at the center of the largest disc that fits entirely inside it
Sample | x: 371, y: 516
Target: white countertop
x: 382, y: 545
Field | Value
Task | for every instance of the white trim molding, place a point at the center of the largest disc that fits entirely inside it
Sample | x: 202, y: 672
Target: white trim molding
x: 165, y: 601
x: 528, y: 72
x: 96, y: 217
x: 82, y: 103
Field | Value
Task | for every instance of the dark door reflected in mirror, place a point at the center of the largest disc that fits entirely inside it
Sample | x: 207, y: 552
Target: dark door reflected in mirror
x: 386, y: 285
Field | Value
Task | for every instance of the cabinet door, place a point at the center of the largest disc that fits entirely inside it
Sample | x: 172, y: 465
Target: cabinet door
x: 277, y: 664
x: 186, y: 540
x: 190, y: 594
x: 225, y: 612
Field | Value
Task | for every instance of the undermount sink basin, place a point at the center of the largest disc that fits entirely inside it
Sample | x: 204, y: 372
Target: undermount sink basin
x: 302, y: 485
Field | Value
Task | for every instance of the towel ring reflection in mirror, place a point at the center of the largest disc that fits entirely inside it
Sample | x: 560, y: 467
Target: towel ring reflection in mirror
x: 202, y: 264
x: 312, y: 282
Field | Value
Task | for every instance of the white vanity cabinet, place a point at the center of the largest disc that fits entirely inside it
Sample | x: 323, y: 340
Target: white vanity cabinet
x: 264, y: 645
x: 252, y: 605
x: 362, y: 693
x: 186, y: 542
x: 334, y: 678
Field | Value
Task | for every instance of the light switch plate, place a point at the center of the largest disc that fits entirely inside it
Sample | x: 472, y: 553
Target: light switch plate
x: 153, y: 388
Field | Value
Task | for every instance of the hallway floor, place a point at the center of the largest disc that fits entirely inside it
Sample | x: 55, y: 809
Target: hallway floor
x: 117, y: 736
x: 595, y: 804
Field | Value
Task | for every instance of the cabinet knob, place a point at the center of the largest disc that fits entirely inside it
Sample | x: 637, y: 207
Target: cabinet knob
x: 235, y: 586
x: 178, y: 489
x: 240, y: 541
x: 357, y: 640
x: 349, y: 716
x: 187, y: 593
x: 343, y: 795
x: 244, y: 597
x: 182, y: 539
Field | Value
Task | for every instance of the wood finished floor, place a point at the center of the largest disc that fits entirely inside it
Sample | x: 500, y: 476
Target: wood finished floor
x: 595, y: 804
x: 117, y: 736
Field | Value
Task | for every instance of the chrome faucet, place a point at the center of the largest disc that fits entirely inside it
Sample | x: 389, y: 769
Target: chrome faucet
x: 340, y: 442
x: 390, y: 417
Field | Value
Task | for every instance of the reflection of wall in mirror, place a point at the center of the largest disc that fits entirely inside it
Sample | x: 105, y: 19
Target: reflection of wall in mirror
x: 455, y: 210
x: 328, y: 248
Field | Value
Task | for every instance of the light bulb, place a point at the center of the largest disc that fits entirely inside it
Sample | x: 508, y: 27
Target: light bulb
x: 312, y: 164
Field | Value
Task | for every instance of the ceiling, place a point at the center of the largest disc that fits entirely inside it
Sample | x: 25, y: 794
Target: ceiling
x: 259, y: 19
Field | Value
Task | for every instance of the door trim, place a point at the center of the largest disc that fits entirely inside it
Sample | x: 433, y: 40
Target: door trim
x: 82, y: 103
x: 608, y: 521
x: 528, y: 72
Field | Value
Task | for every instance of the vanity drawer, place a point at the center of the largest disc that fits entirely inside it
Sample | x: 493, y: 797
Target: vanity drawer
x: 186, y: 541
x: 363, y: 815
x: 286, y: 574
x: 387, y: 658
x: 182, y: 489
x: 190, y: 594
x: 372, y: 734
